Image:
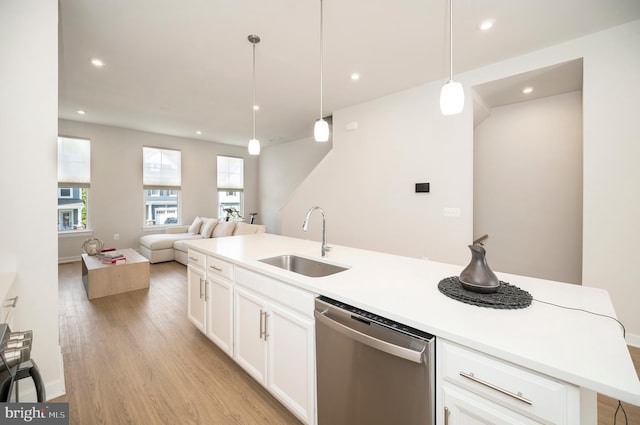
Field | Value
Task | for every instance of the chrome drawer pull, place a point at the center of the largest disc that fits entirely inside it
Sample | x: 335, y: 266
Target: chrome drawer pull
x: 193, y: 259
x: 517, y: 396
x: 218, y: 269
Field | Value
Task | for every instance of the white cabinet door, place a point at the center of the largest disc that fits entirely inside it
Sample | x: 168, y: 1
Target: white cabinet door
x: 220, y: 314
x: 250, y: 350
x: 462, y: 407
x: 291, y: 361
x: 196, y: 291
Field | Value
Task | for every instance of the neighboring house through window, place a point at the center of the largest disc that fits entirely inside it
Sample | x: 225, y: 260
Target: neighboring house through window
x: 74, y: 180
x: 230, y: 186
x: 162, y: 178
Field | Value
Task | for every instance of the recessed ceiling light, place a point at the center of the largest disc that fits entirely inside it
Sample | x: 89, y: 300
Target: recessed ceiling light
x: 486, y: 24
x: 198, y: 132
x: 97, y: 63
x: 81, y: 112
x: 527, y: 90
x: 256, y: 107
x: 355, y: 76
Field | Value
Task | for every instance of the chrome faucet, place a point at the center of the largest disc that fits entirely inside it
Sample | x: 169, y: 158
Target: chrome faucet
x: 305, y: 227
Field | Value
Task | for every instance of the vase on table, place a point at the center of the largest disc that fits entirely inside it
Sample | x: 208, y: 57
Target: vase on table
x: 477, y: 276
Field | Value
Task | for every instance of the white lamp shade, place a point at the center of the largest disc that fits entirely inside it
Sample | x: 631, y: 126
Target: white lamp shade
x: 254, y: 147
x: 451, y: 98
x: 321, y: 130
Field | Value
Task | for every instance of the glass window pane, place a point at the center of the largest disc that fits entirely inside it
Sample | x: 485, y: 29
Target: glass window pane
x: 72, y: 208
x: 161, y: 207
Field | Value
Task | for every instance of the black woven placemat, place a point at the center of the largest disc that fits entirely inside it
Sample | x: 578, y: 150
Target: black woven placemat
x: 506, y: 297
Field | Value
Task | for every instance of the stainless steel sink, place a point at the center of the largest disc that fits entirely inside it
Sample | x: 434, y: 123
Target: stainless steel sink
x: 303, y: 266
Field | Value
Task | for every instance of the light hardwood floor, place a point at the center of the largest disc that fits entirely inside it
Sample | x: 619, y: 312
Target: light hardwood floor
x: 134, y: 358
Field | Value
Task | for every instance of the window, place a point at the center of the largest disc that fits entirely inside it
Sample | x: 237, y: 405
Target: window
x: 74, y: 179
x: 230, y: 186
x: 162, y: 178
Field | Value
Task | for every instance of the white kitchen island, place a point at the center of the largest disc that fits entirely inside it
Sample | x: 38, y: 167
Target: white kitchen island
x: 585, y: 350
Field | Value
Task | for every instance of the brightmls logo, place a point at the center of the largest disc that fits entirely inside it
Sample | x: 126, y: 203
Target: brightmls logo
x: 36, y: 413
x: 25, y: 414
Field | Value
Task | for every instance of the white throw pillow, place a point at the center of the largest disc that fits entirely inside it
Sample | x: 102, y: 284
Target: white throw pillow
x: 243, y: 228
x: 195, y: 226
x: 207, y: 227
x: 224, y: 228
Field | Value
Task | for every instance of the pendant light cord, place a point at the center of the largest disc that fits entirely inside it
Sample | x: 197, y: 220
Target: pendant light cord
x: 253, y: 107
x: 321, y: 52
x: 450, y: 40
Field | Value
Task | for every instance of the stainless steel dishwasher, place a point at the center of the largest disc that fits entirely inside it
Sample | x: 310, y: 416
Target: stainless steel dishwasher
x: 371, y: 370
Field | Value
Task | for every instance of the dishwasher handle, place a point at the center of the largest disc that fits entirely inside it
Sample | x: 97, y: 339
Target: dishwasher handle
x: 378, y: 344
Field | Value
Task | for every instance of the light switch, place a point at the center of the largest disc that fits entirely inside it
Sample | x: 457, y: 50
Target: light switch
x: 451, y: 212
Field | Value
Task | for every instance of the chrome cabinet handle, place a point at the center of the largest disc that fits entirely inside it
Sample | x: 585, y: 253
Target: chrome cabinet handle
x: 446, y: 415
x: 218, y: 269
x: 10, y: 302
x: 200, y: 287
x: 206, y: 290
x: 263, y: 324
x: 266, y: 316
x: 517, y: 396
x: 194, y: 259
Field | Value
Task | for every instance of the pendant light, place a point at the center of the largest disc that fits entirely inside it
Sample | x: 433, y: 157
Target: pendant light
x: 452, y: 94
x: 254, y: 144
x: 321, y: 127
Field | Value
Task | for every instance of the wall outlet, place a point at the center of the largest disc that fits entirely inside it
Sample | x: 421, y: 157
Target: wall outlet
x: 116, y: 236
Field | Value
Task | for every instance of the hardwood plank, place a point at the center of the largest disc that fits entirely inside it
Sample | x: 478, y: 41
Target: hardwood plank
x: 134, y: 358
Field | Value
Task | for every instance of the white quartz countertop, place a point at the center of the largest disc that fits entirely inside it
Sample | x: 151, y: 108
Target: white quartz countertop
x: 585, y: 349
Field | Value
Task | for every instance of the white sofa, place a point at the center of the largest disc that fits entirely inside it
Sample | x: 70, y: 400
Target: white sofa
x: 171, y: 245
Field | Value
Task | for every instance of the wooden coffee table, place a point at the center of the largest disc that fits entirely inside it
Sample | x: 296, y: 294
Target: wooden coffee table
x: 101, y: 279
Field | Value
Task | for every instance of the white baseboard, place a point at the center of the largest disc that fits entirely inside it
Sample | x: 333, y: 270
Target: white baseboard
x: 633, y: 340
x: 73, y: 259
x: 53, y: 389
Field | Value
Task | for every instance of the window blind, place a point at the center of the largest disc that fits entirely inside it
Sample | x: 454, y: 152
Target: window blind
x: 161, y: 168
x: 230, y: 173
x: 74, y: 162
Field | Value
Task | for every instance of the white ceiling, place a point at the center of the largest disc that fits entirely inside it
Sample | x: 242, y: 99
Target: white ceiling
x: 177, y: 67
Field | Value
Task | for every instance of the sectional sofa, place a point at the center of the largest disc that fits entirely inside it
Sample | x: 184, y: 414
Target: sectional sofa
x: 171, y: 245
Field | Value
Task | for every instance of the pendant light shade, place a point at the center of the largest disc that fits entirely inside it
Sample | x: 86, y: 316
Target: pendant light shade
x: 321, y: 131
x: 254, y: 147
x: 451, y: 98
x: 321, y: 127
x: 452, y: 93
x: 254, y: 144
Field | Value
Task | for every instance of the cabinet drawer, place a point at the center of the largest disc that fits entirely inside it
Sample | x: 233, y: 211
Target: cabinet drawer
x: 197, y: 258
x: 281, y: 292
x: 512, y: 386
x: 220, y: 267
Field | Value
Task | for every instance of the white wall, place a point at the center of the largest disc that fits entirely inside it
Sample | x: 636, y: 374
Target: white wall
x: 115, y: 197
x: 28, y: 147
x: 282, y: 168
x: 612, y: 170
x: 528, y: 187
x: 611, y: 130
x: 366, y: 182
